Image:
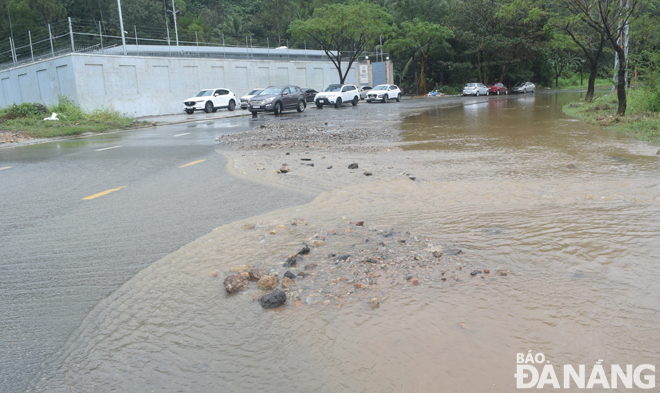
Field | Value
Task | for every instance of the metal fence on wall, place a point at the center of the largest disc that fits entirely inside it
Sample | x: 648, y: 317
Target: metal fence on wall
x: 73, y: 35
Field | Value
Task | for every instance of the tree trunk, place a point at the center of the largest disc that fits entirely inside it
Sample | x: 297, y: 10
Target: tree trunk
x: 592, y: 82
x: 621, y: 82
x: 416, y: 84
x: 505, y: 68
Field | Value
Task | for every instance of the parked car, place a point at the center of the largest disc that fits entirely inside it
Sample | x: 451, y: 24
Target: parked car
x: 384, y: 93
x: 277, y: 99
x: 497, y: 88
x: 245, y: 98
x: 475, y: 89
x: 310, y: 94
x: 524, y: 87
x: 363, y: 91
x: 336, y: 95
x: 210, y: 100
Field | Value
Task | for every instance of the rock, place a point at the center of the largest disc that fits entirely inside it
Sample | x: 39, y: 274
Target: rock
x: 343, y: 257
x: 316, y: 243
x: 288, y: 282
x: 486, y: 271
x: 310, y: 164
x: 273, y: 232
x: 370, y: 260
x: 409, y: 277
x: 304, y: 250
x: 235, y: 283
x: 570, y: 166
x: 298, y: 221
x: 290, y: 275
x: 273, y: 299
x: 240, y: 268
x: 256, y: 273
x: 310, y: 266
x: 247, y: 227
x: 284, y: 169
x: 305, y: 159
x: 360, y: 223
x: 214, y: 274
x: 267, y: 282
x: 453, y: 251
x: 292, y: 260
x: 374, y: 303
x: 330, y: 167
x: 153, y: 123
x: 302, y: 274
x: 502, y: 272
x: 282, y: 227
x: 436, y: 254
x: 353, y: 166
x: 414, y: 281
x: 358, y: 285
x: 367, y: 173
x: 475, y: 272
x: 658, y: 153
x: 309, y: 300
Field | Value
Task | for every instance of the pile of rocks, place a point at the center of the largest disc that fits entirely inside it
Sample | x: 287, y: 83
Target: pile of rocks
x: 279, y: 135
x: 13, y: 137
x: 357, y: 263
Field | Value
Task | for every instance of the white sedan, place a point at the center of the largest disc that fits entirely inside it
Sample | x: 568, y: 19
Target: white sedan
x: 210, y: 100
x: 384, y: 93
x: 475, y: 89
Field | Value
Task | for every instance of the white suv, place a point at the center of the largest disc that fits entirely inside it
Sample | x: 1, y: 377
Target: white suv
x: 384, y: 93
x: 337, y: 95
x: 210, y: 100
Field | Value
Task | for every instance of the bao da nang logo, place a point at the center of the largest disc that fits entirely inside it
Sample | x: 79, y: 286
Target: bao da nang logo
x: 533, y: 370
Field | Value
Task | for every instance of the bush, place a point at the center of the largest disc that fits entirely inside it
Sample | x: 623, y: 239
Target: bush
x: 23, y: 111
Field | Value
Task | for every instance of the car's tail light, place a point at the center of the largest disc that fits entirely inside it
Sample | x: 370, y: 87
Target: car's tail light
x: 475, y: 88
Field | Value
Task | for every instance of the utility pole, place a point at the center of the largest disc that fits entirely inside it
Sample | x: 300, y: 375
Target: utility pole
x: 176, y: 30
x: 121, y: 26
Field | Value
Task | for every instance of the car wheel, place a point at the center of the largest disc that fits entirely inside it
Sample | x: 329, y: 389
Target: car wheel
x: 506, y: 92
x: 498, y: 92
x: 338, y: 102
x: 278, y: 108
x: 208, y: 107
x: 232, y: 106
x: 190, y: 111
x: 524, y: 91
x: 385, y: 97
x: 477, y: 93
x: 533, y: 91
x: 301, y: 106
x: 320, y: 106
x: 355, y: 101
x: 398, y: 98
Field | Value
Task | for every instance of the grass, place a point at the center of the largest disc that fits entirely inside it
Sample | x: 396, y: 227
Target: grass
x: 573, y: 82
x: 642, y: 120
x: 27, y: 119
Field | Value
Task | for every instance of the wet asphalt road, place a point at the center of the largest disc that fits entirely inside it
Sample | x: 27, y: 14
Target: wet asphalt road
x: 149, y: 192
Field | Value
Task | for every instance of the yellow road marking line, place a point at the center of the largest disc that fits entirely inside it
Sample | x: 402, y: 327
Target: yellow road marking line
x: 7, y: 167
x: 187, y: 133
x: 107, y: 148
x: 103, y: 193
x: 192, y: 163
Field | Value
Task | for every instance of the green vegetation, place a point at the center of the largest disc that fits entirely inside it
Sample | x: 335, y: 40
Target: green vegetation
x: 573, y: 82
x: 642, y: 121
x: 28, y: 119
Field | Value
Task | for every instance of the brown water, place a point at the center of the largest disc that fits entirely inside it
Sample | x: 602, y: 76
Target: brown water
x: 583, y: 244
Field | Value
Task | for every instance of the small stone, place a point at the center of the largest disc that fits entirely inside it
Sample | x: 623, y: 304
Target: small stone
x: 358, y: 285
x: 287, y: 282
x: 570, y: 166
x: 326, y: 302
x: 273, y: 232
x: 475, y: 272
x: 247, y: 227
x: 298, y: 221
x: 293, y: 260
x: 367, y: 173
x: 304, y: 250
x: 343, y: 257
x: 402, y: 241
x: 453, y: 251
x: 414, y: 281
x: 267, y: 282
x: 256, y: 273
x: 353, y: 166
x: 282, y: 227
x: 214, y: 274
x: 370, y: 260
x: 235, y: 283
x: 302, y: 274
x: 316, y: 243
x: 658, y: 153
x: 310, y: 266
x: 436, y: 254
x: 240, y: 268
x: 273, y: 299
x: 309, y: 300
x: 305, y: 159
x: 409, y: 277
x: 360, y: 223
x: 374, y: 303
x: 486, y: 271
x: 284, y: 169
x: 330, y: 167
x: 290, y: 275
x: 502, y: 272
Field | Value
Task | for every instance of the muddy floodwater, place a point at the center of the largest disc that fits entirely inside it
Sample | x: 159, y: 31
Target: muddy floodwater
x: 569, y: 210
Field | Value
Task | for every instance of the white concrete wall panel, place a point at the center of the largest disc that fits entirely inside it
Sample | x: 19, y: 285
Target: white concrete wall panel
x: 143, y: 86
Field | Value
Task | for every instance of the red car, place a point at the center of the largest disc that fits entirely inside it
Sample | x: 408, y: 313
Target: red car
x: 497, y: 88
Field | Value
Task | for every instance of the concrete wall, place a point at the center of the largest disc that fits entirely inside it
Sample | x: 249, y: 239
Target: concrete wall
x: 143, y: 86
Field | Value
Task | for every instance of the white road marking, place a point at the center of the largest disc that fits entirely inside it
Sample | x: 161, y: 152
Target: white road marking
x: 187, y: 133
x: 3, y: 168
x: 106, y: 148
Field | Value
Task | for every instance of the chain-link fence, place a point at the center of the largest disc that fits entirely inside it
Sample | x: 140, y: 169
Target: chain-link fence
x: 73, y: 35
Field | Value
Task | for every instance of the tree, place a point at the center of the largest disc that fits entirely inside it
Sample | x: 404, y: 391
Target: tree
x: 608, y: 18
x: 344, y: 30
x: 276, y: 15
x: 561, y: 55
x: 419, y: 39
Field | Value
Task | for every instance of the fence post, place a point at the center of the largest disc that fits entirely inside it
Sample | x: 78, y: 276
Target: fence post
x: 169, y: 48
x: 197, y: 43
x: 267, y: 48
x: 224, y: 51
x: 251, y: 48
x: 73, y: 48
x: 101, y: 35
x: 305, y: 43
x: 50, y: 37
x: 247, y: 49
x: 137, y: 46
x: 31, y: 51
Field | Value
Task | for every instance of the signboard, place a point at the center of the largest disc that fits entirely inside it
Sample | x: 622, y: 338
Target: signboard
x: 364, y: 74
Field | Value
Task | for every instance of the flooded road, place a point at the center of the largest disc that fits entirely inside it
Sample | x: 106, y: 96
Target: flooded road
x: 569, y: 209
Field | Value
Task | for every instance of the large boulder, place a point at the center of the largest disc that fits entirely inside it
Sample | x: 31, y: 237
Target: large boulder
x: 273, y: 299
x: 236, y: 283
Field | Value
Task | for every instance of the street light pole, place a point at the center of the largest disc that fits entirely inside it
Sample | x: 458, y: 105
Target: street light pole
x: 121, y: 26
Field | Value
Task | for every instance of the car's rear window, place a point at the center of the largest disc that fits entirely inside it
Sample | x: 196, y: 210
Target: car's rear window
x: 332, y: 88
x: 470, y: 84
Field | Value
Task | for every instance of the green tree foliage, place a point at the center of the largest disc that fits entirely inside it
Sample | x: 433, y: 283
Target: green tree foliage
x: 344, y: 30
